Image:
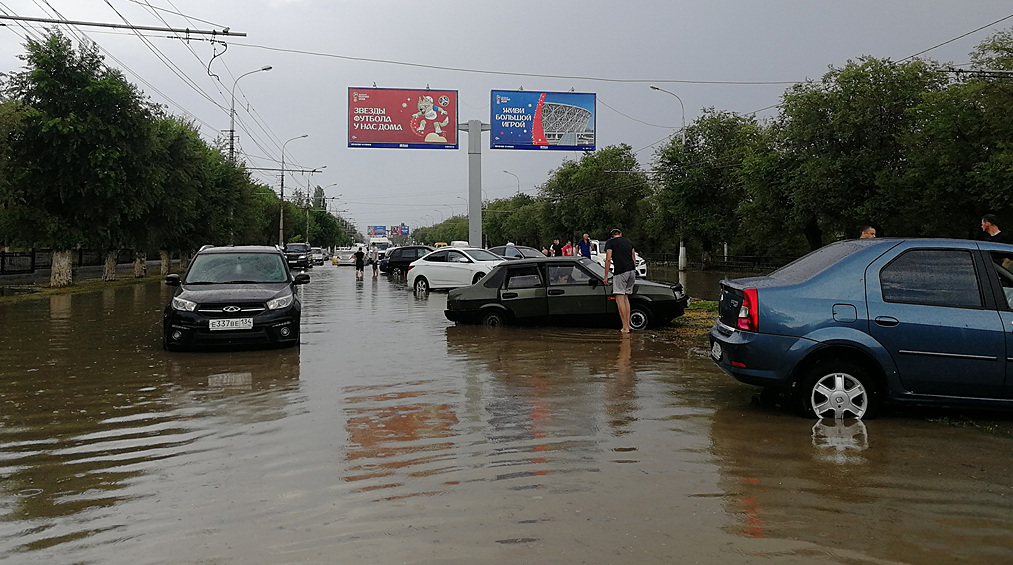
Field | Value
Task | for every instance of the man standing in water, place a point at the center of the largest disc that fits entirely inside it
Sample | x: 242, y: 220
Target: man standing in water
x: 619, y: 250
x: 360, y: 264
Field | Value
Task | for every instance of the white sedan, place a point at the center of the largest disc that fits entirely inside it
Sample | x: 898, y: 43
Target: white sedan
x: 451, y: 267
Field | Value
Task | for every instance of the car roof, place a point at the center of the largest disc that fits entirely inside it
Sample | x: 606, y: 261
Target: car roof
x: 538, y: 260
x: 241, y: 249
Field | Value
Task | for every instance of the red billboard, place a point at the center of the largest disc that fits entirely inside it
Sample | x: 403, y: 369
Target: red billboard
x: 412, y: 119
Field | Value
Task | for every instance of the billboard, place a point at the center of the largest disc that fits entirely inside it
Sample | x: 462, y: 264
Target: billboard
x: 404, y: 230
x: 410, y: 119
x: 377, y: 231
x: 525, y: 119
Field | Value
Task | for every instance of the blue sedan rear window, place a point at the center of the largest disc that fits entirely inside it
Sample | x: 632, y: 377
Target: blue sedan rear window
x: 805, y: 268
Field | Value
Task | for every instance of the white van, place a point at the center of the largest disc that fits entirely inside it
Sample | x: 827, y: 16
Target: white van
x: 382, y: 243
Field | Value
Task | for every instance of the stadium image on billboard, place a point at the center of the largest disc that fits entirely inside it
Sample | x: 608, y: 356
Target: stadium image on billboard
x: 409, y: 119
x: 523, y: 119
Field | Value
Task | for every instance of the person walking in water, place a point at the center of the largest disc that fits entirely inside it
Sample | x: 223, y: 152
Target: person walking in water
x: 360, y: 264
x: 374, y: 258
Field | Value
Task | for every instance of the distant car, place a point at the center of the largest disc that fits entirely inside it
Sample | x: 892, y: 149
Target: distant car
x: 864, y: 322
x: 317, y: 255
x: 451, y: 267
x: 562, y: 291
x: 299, y: 255
x: 236, y: 295
x: 516, y: 252
x: 398, y: 259
x: 344, y: 256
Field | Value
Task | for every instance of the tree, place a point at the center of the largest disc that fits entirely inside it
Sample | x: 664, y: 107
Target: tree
x: 78, y: 164
x: 595, y: 194
x: 701, y: 184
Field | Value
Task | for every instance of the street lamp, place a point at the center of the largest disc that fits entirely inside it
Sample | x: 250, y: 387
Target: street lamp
x: 683, y: 260
x: 683, y: 107
x: 518, y: 180
x: 281, y: 212
x: 232, y: 113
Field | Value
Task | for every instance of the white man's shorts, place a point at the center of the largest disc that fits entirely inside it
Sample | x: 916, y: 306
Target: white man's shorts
x: 623, y: 282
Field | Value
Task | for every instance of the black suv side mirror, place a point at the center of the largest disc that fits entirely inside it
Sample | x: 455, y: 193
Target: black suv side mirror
x: 301, y: 278
x: 172, y: 280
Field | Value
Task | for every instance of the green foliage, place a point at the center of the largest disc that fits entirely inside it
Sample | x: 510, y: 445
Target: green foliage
x: 77, y: 166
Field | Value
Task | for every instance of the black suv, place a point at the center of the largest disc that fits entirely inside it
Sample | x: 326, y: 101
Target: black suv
x: 233, y: 295
x: 398, y: 259
x: 299, y: 255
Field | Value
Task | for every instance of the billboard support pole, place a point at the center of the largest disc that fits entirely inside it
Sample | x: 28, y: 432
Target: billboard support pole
x: 474, y: 129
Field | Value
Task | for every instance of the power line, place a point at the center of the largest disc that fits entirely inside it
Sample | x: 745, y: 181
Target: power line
x: 958, y: 37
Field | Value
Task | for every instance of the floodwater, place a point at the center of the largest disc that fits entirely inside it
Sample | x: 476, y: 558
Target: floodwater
x: 392, y: 436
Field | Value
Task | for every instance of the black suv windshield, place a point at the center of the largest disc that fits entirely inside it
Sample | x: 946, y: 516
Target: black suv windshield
x: 297, y: 247
x: 224, y: 268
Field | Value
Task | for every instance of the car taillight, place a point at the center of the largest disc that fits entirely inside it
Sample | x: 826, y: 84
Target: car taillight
x: 748, y: 312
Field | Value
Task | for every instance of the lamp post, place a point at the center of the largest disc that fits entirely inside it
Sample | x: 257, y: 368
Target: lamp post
x: 281, y: 211
x: 232, y: 113
x: 682, y: 243
x: 681, y: 105
x: 518, y: 180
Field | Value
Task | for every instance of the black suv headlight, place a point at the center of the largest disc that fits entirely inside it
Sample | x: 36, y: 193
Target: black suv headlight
x: 279, y: 303
x: 183, y: 304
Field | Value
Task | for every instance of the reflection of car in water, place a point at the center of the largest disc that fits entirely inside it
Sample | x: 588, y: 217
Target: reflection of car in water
x: 874, y: 484
x: 867, y: 321
x: 236, y: 295
x: 561, y: 291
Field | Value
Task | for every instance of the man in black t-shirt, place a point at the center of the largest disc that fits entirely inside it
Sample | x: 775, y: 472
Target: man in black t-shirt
x: 619, y: 250
x: 990, y: 225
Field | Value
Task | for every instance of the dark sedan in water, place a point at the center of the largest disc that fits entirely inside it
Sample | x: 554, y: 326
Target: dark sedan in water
x: 241, y: 295
x: 560, y: 290
x: 862, y: 322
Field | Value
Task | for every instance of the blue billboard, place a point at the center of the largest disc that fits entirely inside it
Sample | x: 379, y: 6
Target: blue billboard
x: 525, y: 119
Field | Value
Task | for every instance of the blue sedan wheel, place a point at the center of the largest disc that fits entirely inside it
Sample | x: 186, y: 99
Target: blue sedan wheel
x: 838, y: 390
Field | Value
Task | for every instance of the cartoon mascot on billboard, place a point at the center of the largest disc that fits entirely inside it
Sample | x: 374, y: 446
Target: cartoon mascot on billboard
x: 430, y: 120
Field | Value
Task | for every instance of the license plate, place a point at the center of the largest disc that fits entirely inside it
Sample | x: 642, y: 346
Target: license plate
x: 716, y: 351
x: 231, y: 324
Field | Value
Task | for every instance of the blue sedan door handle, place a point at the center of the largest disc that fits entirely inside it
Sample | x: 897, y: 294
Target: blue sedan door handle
x: 887, y: 321
x: 555, y: 291
x: 509, y: 295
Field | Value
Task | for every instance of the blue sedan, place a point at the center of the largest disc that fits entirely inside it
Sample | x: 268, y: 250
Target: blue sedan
x: 865, y: 322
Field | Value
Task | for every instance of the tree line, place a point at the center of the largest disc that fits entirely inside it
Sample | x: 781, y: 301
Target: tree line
x: 86, y: 161
x: 910, y: 147
x: 913, y: 148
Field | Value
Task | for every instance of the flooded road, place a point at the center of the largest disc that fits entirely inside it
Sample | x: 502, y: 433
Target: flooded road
x: 392, y: 436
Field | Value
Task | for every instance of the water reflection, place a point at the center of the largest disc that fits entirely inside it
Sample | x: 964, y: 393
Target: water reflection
x: 397, y: 435
x: 788, y: 478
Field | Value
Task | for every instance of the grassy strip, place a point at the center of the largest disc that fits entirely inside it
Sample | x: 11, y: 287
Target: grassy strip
x: 34, y: 291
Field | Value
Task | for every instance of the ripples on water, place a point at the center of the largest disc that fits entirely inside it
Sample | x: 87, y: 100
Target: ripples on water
x: 392, y: 436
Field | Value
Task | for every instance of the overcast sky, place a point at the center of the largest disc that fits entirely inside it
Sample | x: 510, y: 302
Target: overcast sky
x: 318, y: 49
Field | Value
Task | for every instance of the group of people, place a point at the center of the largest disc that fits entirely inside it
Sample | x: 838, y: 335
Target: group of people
x: 361, y: 256
x: 989, y: 225
x: 583, y: 248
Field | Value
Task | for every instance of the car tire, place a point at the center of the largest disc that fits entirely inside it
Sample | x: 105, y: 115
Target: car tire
x: 421, y: 285
x: 477, y: 277
x: 494, y: 319
x: 837, y: 389
x: 640, y: 317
